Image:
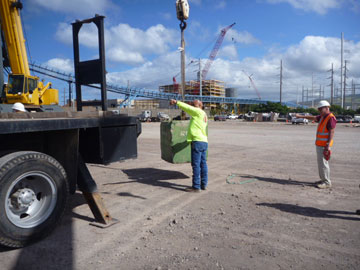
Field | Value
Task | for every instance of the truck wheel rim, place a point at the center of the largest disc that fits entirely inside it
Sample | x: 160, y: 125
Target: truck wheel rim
x: 31, y: 199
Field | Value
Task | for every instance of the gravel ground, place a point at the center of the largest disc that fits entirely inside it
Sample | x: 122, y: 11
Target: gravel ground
x: 260, y: 211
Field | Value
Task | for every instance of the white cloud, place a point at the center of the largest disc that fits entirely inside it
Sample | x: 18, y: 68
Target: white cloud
x: 314, y: 53
x: 156, y: 39
x: 229, y: 52
x: 65, y: 65
x: 83, y: 7
x: 318, y: 6
x: 151, y: 74
x: 88, y: 34
x: 123, y: 43
x: 311, y: 57
x: 243, y: 37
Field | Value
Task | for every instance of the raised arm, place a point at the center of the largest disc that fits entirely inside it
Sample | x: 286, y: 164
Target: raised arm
x: 309, y: 117
x: 191, y: 110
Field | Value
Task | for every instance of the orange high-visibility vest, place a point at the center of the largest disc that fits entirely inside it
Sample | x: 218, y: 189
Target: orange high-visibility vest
x: 322, y: 134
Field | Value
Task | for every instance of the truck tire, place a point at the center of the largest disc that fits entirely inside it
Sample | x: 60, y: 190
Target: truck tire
x: 33, y: 195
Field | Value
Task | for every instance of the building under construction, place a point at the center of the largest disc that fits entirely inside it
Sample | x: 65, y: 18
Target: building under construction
x: 214, y: 88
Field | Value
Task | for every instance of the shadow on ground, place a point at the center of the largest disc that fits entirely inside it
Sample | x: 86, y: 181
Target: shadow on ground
x: 246, y: 178
x: 55, y: 251
x: 311, y: 211
x: 154, y: 177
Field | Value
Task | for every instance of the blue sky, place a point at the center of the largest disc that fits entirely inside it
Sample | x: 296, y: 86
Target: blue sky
x: 142, y: 40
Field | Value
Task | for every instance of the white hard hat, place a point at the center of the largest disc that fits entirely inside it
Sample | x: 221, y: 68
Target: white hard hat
x: 323, y: 103
x: 18, y: 107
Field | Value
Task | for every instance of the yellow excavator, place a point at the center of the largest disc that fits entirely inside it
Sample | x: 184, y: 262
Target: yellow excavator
x: 21, y: 86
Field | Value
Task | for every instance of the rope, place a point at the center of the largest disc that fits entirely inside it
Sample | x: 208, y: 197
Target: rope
x: 231, y: 176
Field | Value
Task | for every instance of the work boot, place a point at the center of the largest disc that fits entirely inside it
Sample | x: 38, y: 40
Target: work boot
x: 191, y: 189
x: 318, y: 182
x: 323, y: 185
x: 203, y: 187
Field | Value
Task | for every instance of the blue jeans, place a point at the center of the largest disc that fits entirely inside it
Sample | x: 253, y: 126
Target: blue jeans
x: 198, y: 163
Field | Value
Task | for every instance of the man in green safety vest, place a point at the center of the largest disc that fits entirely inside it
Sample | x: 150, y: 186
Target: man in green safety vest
x: 197, y: 136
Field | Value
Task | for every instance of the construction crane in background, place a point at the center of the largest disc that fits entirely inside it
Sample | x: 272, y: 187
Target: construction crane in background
x: 211, y: 58
x: 253, y: 84
x: 215, y: 51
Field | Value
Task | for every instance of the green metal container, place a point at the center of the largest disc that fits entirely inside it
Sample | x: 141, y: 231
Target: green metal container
x: 174, y: 147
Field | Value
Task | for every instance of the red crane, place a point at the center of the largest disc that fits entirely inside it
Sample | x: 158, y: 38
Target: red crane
x: 215, y: 51
x: 211, y: 57
x: 253, y: 84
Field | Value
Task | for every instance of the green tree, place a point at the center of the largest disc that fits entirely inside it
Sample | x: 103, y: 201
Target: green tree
x: 270, y: 107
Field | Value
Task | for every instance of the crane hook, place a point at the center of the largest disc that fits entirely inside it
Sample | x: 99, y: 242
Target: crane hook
x: 182, y: 25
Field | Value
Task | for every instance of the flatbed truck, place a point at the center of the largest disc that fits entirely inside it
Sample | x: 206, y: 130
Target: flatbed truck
x: 43, y: 159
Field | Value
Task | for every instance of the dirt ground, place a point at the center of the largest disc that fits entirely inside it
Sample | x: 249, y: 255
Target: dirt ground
x: 260, y: 211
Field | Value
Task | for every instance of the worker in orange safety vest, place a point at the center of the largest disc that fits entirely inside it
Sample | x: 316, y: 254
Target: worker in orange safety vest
x: 324, y: 141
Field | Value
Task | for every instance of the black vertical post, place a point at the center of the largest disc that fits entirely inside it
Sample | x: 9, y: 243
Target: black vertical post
x: 76, y: 28
x: 1, y: 71
x: 100, y: 24
x: 91, y: 71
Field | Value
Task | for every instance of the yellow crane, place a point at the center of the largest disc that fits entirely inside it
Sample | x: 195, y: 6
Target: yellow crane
x: 22, y: 86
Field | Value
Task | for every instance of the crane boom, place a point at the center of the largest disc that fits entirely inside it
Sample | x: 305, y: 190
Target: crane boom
x: 215, y: 51
x: 253, y: 85
x: 14, y: 37
x: 22, y: 86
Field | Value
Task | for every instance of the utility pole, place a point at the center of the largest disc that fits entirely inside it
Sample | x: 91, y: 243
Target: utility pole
x: 182, y: 26
x: 280, y: 80
x: 297, y: 95
x: 352, y: 93
x: 312, y: 90
x: 182, y: 13
x: 200, y: 79
x: 302, y: 95
x: 344, y: 103
x: 332, y: 84
x: 341, y: 70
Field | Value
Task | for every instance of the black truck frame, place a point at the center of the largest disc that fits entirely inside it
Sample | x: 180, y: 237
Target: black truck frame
x: 42, y: 161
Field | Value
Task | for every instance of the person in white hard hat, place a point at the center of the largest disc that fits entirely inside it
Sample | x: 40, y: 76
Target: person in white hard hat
x: 324, y: 141
x: 18, y: 107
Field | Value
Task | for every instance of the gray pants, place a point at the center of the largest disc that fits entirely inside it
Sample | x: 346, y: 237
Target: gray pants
x: 323, y: 165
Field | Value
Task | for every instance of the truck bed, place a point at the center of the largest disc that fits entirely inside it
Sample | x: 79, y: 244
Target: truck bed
x: 99, y: 137
x: 51, y: 121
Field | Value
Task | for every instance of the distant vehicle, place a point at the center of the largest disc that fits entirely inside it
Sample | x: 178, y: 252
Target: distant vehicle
x: 295, y: 120
x: 163, y: 116
x: 232, y: 116
x: 249, y: 116
x: 240, y: 116
x: 356, y: 119
x: 344, y: 118
x: 145, y: 116
x: 219, y: 118
x: 266, y: 116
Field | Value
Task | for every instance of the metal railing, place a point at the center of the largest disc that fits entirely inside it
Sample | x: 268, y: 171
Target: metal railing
x: 151, y: 94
